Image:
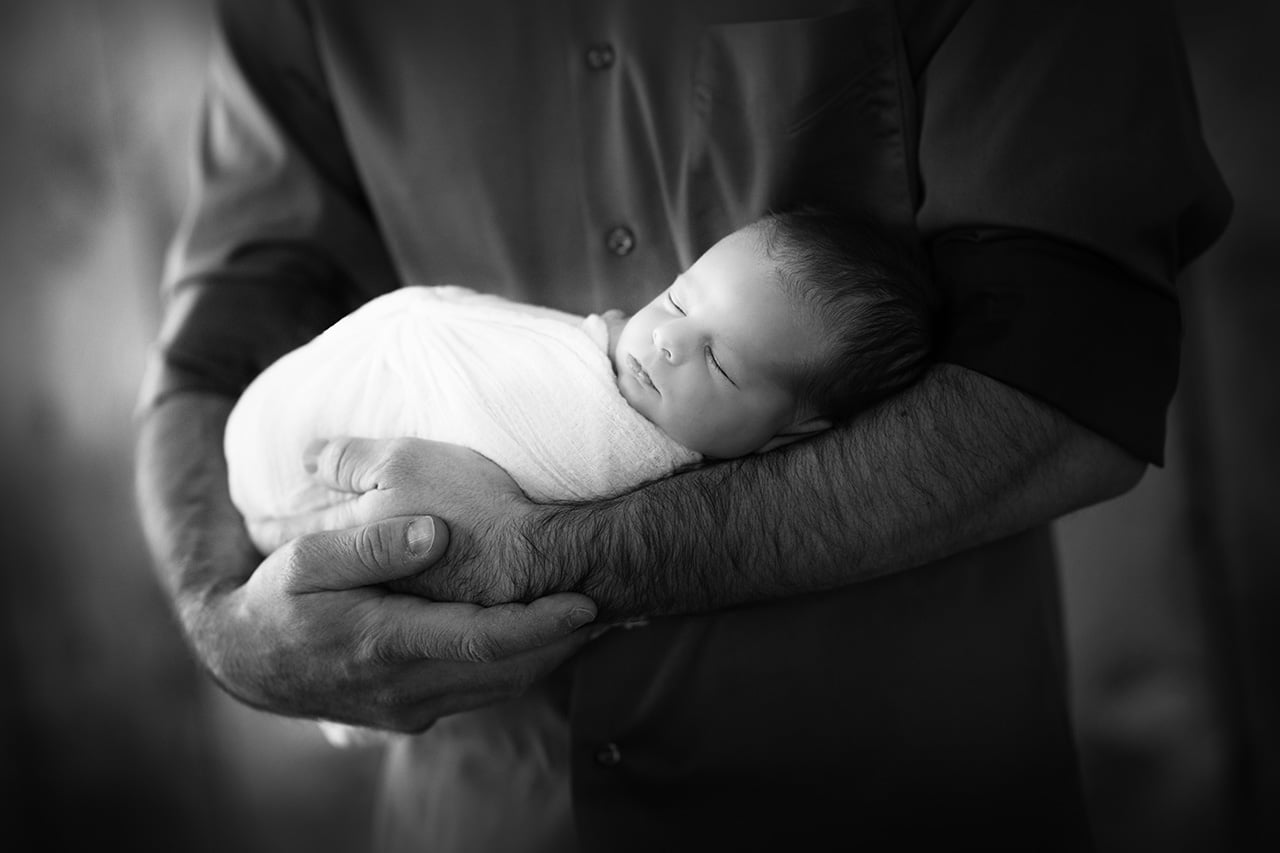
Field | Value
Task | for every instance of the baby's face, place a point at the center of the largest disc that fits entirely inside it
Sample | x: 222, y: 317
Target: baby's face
x: 714, y: 359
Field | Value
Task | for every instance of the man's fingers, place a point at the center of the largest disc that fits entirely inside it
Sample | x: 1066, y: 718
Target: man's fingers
x: 370, y: 554
x: 412, y: 627
x: 355, y: 465
x: 515, y: 628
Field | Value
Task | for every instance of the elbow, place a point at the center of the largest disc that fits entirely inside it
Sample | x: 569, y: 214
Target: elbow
x: 1108, y: 469
x: 1124, y: 473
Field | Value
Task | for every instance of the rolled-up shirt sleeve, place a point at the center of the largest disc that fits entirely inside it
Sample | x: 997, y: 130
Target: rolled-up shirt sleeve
x: 277, y: 240
x: 1065, y: 183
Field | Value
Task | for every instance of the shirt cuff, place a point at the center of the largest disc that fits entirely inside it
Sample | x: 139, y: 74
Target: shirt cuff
x: 1066, y: 326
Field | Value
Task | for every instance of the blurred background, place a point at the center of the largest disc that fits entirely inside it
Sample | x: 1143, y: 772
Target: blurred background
x: 111, y: 736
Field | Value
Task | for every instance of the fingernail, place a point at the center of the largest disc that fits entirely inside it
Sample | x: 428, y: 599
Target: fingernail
x: 422, y: 534
x: 580, y: 616
x: 311, y: 455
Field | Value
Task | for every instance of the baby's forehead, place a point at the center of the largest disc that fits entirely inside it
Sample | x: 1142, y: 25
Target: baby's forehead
x: 809, y: 341
x: 807, y: 307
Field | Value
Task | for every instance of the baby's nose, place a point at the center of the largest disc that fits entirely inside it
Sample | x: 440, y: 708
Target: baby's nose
x: 665, y: 342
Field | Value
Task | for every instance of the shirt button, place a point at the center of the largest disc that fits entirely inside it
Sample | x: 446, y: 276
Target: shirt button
x: 599, y: 56
x: 609, y: 755
x: 620, y: 241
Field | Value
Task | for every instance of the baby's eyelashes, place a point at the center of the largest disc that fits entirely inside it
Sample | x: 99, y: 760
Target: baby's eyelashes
x: 711, y: 357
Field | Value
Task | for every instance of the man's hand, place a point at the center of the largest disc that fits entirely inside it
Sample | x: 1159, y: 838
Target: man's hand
x: 313, y: 630
x: 328, y: 640
x: 486, y: 561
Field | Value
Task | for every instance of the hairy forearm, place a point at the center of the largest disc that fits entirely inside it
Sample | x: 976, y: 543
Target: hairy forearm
x: 198, y: 541
x: 953, y: 462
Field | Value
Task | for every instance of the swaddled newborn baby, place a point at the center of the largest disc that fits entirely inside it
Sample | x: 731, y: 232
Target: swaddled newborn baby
x: 531, y: 388
x: 778, y: 331
x: 765, y: 339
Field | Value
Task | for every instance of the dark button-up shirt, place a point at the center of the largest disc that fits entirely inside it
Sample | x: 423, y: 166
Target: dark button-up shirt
x: 579, y: 155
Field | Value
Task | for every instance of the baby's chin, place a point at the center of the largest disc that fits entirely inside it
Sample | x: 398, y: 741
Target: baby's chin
x: 626, y: 387
x: 634, y: 396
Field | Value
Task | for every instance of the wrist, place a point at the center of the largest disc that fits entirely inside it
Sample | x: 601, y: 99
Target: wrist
x: 208, y: 617
x: 540, y: 560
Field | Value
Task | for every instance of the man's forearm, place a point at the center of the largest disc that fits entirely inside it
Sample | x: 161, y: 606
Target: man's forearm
x: 953, y: 462
x: 197, y: 539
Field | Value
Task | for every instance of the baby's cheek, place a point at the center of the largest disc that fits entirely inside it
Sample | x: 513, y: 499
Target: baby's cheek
x: 644, y: 406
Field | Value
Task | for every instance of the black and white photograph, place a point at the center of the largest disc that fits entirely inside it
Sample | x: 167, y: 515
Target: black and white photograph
x: 596, y: 426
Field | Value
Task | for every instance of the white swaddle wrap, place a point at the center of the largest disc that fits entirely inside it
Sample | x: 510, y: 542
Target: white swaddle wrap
x: 531, y: 388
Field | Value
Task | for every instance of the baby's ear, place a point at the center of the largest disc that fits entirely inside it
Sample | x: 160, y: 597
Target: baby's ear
x: 802, y: 429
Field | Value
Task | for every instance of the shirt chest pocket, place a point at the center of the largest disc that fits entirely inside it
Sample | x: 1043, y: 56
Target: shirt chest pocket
x: 814, y: 110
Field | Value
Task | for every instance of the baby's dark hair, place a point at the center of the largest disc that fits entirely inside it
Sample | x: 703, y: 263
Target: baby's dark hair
x: 872, y: 293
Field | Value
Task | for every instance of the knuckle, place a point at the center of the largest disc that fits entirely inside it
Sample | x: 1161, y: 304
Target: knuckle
x: 381, y: 650
x: 375, y: 546
x: 292, y: 557
x: 398, y: 457
x: 478, y: 647
x: 390, y: 701
x: 340, y: 459
x: 367, y: 648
